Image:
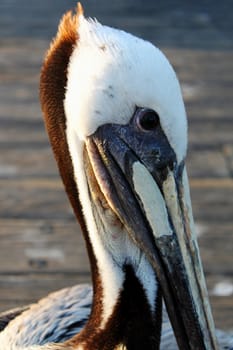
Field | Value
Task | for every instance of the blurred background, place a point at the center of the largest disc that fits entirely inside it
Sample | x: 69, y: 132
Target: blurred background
x: 41, y: 247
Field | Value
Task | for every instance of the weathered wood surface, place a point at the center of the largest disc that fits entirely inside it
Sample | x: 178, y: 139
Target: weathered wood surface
x: 41, y: 247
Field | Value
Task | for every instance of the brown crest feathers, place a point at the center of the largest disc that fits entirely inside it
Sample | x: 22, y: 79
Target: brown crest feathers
x: 52, y: 93
x: 67, y: 30
x: 53, y: 82
x: 80, y: 10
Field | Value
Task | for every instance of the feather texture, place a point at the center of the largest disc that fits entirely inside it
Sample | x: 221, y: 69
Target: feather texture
x: 70, y: 308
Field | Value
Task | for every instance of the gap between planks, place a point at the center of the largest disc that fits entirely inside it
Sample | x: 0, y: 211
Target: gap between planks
x: 57, y: 184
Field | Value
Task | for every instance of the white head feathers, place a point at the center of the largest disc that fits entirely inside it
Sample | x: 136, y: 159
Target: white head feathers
x: 110, y: 73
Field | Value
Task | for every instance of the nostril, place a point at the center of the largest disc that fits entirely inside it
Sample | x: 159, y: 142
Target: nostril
x: 171, y: 164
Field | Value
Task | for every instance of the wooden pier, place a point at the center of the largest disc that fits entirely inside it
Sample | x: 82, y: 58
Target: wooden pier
x: 41, y: 247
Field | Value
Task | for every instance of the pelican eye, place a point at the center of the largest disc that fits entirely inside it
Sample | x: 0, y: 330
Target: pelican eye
x: 147, y: 119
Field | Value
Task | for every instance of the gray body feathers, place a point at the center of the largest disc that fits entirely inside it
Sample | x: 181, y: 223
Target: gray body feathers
x: 61, y: 315
x: 55, y: 318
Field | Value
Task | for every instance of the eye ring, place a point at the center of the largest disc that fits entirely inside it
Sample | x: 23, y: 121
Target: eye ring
x: 147, y: 119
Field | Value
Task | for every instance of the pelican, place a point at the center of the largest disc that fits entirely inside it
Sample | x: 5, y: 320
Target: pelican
x: 116, y: 121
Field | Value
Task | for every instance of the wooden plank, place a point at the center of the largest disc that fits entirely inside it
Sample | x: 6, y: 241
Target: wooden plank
x: 221, y: 299
x: 207, y: 164
x: 212, y: 183
x: 196, y: 66
x: 212, y: 204
x: 172, y: 23
x: 34, y: 199
x: 38, y: 246
x: 27, y: 133
x: 27, y: 162
x: 215, y: 241
x: 208, y: 134
x: 215, y: 110
x: 222, y: 312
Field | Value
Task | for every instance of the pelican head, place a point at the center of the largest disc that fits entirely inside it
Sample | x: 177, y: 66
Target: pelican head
x: 116, y: 120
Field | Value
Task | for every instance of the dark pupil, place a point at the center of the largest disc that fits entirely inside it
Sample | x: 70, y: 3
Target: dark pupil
x: 149, y: 121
